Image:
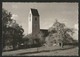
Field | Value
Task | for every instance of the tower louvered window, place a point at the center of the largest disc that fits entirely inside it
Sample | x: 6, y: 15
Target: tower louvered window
x: 35, y: 19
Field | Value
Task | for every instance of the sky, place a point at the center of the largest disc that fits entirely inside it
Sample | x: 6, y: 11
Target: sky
x: 64, y: 12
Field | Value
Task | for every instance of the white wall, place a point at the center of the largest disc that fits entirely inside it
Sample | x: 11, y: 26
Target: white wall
x: 30, y: 23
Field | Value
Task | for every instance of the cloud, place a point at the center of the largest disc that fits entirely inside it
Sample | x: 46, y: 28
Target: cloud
x: 76, y: 26
x: 14, y: 16
x: 75, y: 36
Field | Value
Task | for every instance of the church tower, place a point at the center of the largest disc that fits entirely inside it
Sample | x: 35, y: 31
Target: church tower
x: 33, y: 22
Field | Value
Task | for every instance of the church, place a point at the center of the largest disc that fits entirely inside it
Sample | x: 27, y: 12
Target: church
x: 34, y: 26
x: 34, y: 23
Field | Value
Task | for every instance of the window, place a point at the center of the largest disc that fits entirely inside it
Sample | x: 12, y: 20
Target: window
x: 35, y: 19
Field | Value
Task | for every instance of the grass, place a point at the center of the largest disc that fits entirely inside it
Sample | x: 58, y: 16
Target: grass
x: 68, y: 50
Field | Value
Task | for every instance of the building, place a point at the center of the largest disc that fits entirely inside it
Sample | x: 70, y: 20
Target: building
x: 33, y: 22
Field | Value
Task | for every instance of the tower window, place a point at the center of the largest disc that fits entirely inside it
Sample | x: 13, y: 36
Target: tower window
x: 35, y: 19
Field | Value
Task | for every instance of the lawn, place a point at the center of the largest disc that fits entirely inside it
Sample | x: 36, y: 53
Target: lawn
x: 67, y: 50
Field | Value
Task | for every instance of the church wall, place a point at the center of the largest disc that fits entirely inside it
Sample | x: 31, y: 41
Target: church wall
x: 35, y: 25
x: 30, y: 23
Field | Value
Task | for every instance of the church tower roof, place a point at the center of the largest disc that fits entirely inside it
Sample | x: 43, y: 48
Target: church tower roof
x: 34, y: 12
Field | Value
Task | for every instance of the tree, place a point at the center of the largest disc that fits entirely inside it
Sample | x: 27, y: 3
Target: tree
x: 34, y: 41
x: 59, y: 32
x: 5, y: 18
x: 17, y: 34
x: 28, y: 41
x: 12, y: 33
x: 41, y: 38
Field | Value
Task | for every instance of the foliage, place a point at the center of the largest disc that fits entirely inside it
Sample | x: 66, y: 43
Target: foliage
x: 58, y: 32
x: 12, y: 33
x: 41, y: 37
x: 30, y: 41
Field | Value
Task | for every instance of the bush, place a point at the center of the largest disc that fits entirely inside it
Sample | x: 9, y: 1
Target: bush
x: 29, y: 41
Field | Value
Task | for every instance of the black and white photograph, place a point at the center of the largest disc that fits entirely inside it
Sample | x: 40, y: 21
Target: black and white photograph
x: 40, y: 29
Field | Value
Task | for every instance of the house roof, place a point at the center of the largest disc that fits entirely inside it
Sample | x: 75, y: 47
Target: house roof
x: 44, y: 30
x: 34, y: 12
